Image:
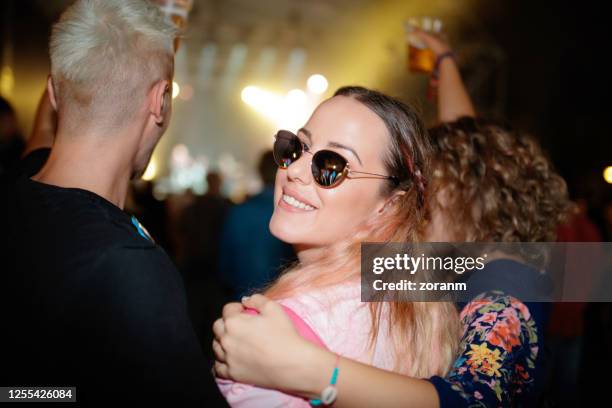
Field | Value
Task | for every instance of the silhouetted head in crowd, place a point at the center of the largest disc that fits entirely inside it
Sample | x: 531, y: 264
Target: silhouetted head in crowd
x: 214, y: 182
x: 267, y: 168
x: 11, y: 141
x: 112, y: 63
x: 8, y: 121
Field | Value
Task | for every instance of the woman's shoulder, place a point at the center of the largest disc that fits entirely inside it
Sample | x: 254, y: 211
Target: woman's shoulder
x: 324, y: 301
x: 502, y: 321
x: 337, y: 315
x: 493, y: 301
x: 502, y: 304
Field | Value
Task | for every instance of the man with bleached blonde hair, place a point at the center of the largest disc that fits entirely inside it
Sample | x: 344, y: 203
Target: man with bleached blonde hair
x: 112, y: 64
x: 94, y: 303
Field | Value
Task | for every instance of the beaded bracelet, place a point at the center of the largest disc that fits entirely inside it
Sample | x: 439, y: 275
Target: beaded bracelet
x: 439, y: 58
x: 329, y: 394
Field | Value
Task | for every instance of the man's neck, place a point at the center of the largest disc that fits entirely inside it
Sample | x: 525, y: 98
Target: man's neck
x: 83, y: 162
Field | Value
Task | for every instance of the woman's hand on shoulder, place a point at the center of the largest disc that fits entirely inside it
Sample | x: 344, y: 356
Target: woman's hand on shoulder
x: 262, y: 349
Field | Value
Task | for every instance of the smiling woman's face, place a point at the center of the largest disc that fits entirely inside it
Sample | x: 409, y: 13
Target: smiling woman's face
x: 335, y: 212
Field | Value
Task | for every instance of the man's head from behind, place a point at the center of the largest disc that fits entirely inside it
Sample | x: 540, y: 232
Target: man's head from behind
x: 112, y: 63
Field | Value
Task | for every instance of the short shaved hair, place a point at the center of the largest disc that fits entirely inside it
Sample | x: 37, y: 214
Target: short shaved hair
x: 106, y: 55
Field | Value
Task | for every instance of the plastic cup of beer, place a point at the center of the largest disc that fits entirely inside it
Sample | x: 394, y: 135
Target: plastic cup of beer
x: 176, y: 11
x: 419, y: 57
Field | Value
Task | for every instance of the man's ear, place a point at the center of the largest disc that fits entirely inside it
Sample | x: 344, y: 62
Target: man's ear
x: 159, y: 99
x: 391, y: 201
x: 51, y: 92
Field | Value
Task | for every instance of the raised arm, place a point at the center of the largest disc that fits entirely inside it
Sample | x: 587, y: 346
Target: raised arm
x: 453, y: 99
x: 44, y: 127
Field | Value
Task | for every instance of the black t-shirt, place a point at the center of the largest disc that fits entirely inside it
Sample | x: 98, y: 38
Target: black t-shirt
x: 91, y: 302
x: 10, y: 150
x: 33, y: 162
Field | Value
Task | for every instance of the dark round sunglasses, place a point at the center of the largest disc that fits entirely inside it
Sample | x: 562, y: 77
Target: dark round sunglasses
x: 329, y: 168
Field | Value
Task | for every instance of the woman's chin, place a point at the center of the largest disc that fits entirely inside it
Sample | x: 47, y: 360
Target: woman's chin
x: 286, y: 232
x: 284, y: 236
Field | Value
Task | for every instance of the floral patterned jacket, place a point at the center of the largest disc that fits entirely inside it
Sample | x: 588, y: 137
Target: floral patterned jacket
x: 499, y: 354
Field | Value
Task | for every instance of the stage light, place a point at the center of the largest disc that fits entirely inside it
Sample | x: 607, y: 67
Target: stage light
x: 233, y: 66
x: 7, y: 80
x: 607, y: 174
x: 294, y: 111
x: 176, y: 89
x: 289, y: 112
x: 317, y: 84
x: 265, y: 65
x: 296, y: 97
x: 295, y: 66
x: 150, y: 172
x: 249, y: 95
x: 269, y: 104
x: 180, y: 156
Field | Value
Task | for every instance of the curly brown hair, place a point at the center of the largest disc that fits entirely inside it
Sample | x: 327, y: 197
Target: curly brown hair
x: 496, y: 183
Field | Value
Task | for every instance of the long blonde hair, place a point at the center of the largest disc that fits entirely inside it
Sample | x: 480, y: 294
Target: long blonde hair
x: 425, y: 334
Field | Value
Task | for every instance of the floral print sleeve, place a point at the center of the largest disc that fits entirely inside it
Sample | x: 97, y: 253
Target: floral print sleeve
x: 497, y: 355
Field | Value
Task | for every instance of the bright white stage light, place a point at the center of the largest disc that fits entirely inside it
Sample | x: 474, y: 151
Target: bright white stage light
x: 296, y: 97
x: 317, y: 84
x: 249, y: 95
x: 286, y: 112
x: 608, y: 174
x: 150, y: 172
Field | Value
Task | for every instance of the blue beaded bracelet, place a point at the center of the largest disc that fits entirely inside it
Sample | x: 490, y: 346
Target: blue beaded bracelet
x: 329, y: 394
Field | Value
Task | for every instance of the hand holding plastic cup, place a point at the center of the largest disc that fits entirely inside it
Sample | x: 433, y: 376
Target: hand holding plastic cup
x: 420, y: 57
x: 176, y: 11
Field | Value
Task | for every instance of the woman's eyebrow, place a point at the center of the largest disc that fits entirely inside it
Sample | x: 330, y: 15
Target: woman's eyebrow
x: 332, y: 144
x: 341, y: 146
x: 307, y: 133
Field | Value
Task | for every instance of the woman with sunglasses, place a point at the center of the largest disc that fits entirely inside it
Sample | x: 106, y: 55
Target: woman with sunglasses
x: 499, y: 361
x: 355, y: 172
